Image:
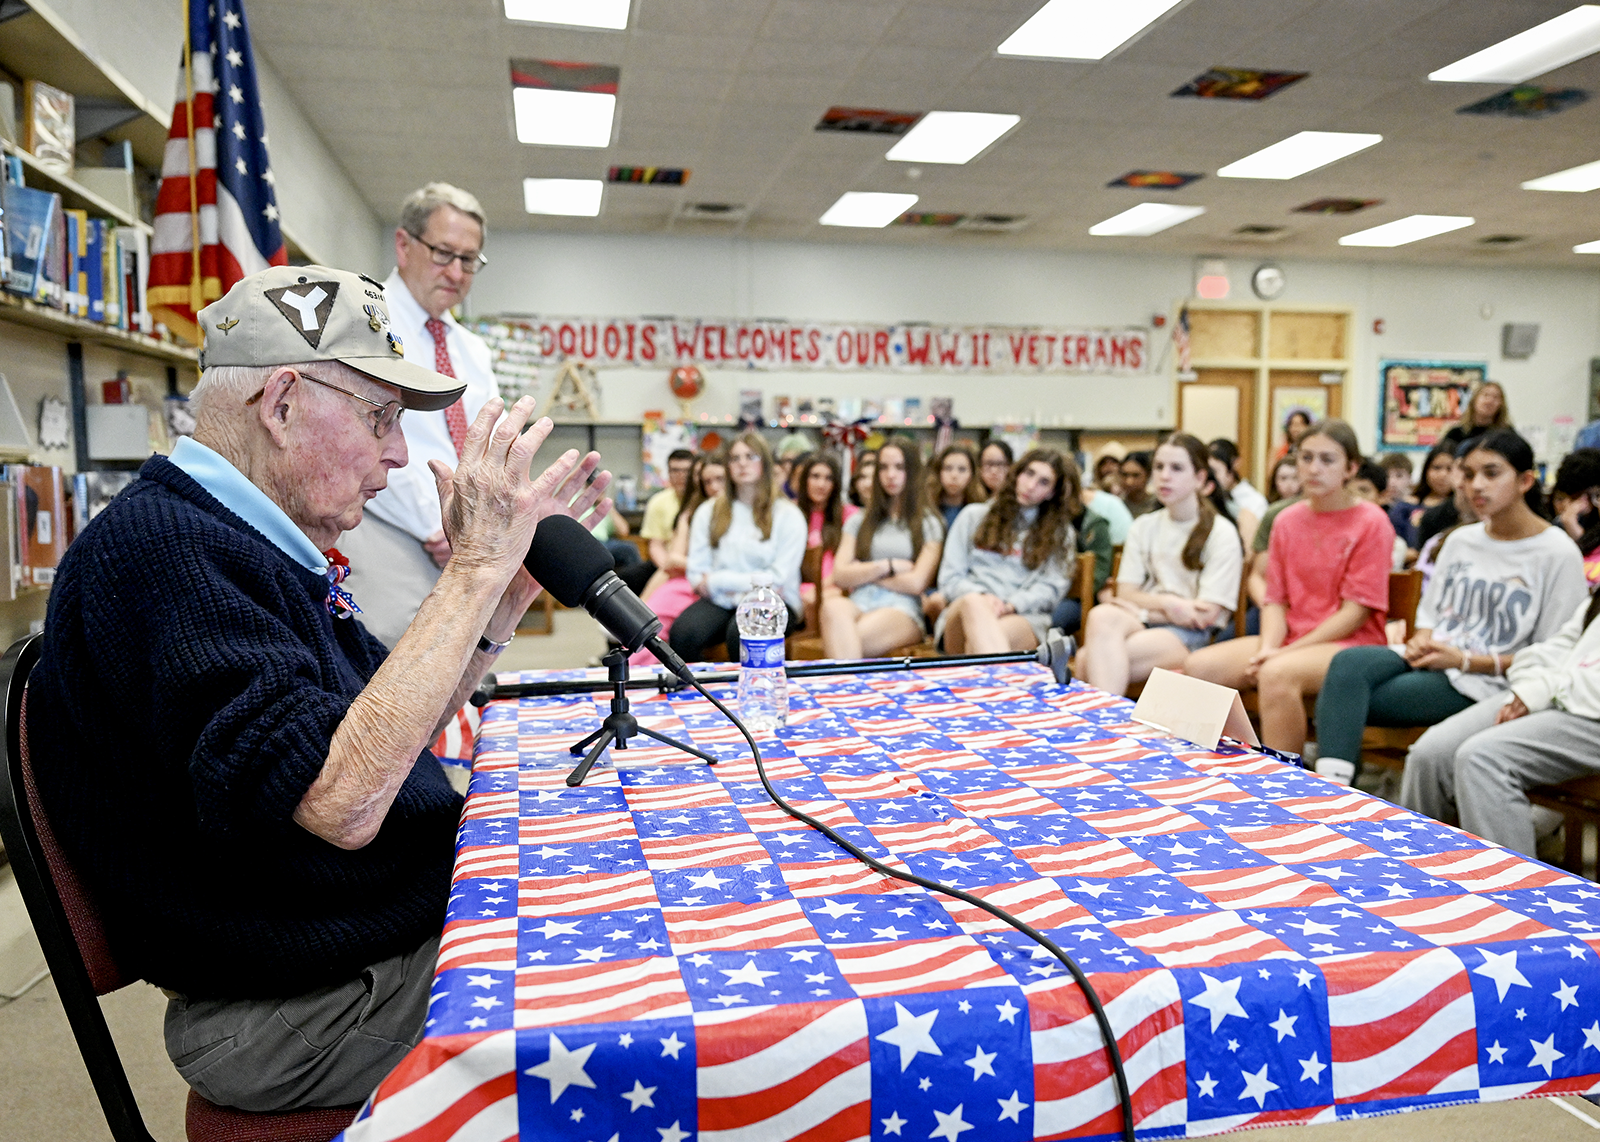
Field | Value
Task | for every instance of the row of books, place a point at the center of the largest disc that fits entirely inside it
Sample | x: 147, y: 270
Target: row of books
x: 40, y: 518
x: 89, y: 267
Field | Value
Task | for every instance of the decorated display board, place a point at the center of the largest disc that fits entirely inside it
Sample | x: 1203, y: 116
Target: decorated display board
x: 784, y: 345
x: 1421, y: 399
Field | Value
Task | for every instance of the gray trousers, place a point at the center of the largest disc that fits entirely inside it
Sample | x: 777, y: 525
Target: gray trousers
x: 1467, y: 767
x: 390, y: 574
x: 329, y: 1047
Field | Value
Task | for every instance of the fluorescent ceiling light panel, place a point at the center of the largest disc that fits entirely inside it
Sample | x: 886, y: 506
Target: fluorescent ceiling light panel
x: 1083, y: 29
x: 1144, y: 220
x: 575, y: 197
x: 1587, y: 248
x: 1298, y: 154
x: 1411, y: 229
x: 1575, y: 180
x: 1570, y: 36
x: 951, y: 136
x: 572, y: 13
x: 867, y: 208
x: 549, y: 118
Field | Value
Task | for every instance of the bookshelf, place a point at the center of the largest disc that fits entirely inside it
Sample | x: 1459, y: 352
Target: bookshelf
x: 1252, y: 363
x: 47, y: 352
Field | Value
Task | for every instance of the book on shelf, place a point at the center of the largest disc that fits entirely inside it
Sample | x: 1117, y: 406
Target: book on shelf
x: 133, y: 275
x: 76, y: 296
x: 49, y: 126
x: 42, y: 523
x: 94, y: 270
x: 30, y: 220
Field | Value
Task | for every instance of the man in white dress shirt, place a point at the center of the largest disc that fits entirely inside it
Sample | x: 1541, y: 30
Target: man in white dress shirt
x: 397, y: 553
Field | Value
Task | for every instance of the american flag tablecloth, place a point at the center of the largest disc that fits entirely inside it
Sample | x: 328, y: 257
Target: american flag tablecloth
x: 663, y: 956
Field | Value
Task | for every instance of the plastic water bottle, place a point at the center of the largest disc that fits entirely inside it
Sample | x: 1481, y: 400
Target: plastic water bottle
x: 763, y: 685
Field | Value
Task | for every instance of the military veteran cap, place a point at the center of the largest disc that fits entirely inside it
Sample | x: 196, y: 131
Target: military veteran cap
x: 287, y: 315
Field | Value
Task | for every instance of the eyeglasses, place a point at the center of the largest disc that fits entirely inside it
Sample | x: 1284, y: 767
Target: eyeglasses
x: 470, y: 263
x: 384, y: 416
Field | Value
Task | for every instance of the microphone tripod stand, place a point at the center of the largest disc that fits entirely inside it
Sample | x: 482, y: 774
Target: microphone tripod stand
x: 620, y: 724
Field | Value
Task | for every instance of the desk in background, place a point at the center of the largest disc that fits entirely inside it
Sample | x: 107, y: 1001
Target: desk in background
x: 663, y: 956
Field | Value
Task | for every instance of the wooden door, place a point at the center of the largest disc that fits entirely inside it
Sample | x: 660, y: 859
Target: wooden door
x: 1221, y: 402
x: 1288, y: 389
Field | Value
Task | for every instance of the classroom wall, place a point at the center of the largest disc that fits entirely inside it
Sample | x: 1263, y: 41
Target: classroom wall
x: 320, y: 208
x: 1429, y: 312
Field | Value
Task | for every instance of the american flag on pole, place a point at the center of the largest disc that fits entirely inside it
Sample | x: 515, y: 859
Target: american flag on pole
x: 1180, y: 338
x: 216, y: 212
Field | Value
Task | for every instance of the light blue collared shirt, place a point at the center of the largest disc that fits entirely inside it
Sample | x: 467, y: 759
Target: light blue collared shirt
x: 213, y: 472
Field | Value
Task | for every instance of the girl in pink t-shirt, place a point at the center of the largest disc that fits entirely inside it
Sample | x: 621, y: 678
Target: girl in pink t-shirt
x: 1327, y: 588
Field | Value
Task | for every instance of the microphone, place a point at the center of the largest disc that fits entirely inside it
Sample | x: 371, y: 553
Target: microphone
x: 577, y: 569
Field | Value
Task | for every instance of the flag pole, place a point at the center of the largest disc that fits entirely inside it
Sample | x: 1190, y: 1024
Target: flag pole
x: 196, y: 301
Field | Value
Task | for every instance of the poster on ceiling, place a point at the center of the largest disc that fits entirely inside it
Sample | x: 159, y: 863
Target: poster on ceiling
x: 1420, y: 400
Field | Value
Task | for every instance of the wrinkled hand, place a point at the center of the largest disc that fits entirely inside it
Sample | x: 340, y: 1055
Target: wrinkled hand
x: 489, y: 502
x: 1511, y: 711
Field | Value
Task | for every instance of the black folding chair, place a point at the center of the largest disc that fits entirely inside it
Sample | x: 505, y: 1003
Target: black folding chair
x: 80, y: 957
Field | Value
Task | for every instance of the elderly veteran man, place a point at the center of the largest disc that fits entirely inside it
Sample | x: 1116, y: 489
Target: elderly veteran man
x: 235, y: 765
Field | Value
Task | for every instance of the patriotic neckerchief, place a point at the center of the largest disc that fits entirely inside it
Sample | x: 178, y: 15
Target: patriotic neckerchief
x: 340, y: 603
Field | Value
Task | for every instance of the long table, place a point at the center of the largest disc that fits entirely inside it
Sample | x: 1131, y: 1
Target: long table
x: 662, y: 955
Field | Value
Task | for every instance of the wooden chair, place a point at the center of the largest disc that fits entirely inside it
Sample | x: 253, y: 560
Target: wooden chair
x: 67, y: 921
x: 806, y: 643
x: 1387, y: 746
x: 1578, y: 801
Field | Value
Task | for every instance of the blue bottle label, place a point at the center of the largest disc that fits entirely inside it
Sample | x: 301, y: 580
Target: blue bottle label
x: 760, y: 653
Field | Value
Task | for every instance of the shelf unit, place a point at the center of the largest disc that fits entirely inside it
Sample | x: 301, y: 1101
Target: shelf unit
x: 47, y: 352
x: 1252, y: 363
x: 73, y: 195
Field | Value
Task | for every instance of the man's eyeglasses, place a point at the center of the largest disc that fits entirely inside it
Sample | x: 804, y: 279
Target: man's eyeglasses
x: 384, y: 416
x: 470, y: 263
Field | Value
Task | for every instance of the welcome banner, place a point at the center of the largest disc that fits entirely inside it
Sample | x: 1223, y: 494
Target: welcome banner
x: 781, y: 345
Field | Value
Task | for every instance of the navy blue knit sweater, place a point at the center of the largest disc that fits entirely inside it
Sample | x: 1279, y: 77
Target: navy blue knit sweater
x: 189, y: 688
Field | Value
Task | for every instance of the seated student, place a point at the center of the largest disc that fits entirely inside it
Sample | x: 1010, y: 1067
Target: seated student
x: 1437, y: 483
x: 1327, y: 588
x: 994, y: 464
x: 1395, y: 496
x: 1367, y: 484
x: 747, y: 530
x: 1178, y: 582
x: 669, y: 592
x: 1285, y: 484
x: 1136, y: 485
x: 1501, y: 585
x: 1430, y: 550
x: 1576, y: 500
x: 1447, y: 512
x: 861, y: 481
x: 1108, y: 468
x: 659, y: 513
x: 953, y: 482
x: 791, y: 449
x: 1005, y: 562
x: 1246, y: 506
x: 1284, y: 481
x: 817, y: 493
x: 1093, y: 538
x: 889, y: 555
x: 1478, y: 765
x: 1104, y: 505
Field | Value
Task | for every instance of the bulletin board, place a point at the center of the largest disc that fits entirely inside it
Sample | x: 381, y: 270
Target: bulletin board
x: 1419, y: 401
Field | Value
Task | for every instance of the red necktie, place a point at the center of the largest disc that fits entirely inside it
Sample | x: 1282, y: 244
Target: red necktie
x: 455, y: 417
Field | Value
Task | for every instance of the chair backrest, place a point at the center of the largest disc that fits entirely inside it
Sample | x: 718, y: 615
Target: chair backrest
x: 811, y: 566
x: 1241, y: 613
x: 60, y: 906
x: 1084, y: 584
x: 1405, y: 595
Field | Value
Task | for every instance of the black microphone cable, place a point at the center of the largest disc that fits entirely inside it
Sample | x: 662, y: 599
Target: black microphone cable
x: 1119, y: 1077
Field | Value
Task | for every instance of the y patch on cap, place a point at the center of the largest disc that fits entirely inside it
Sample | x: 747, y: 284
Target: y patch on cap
x: 306, y: 307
